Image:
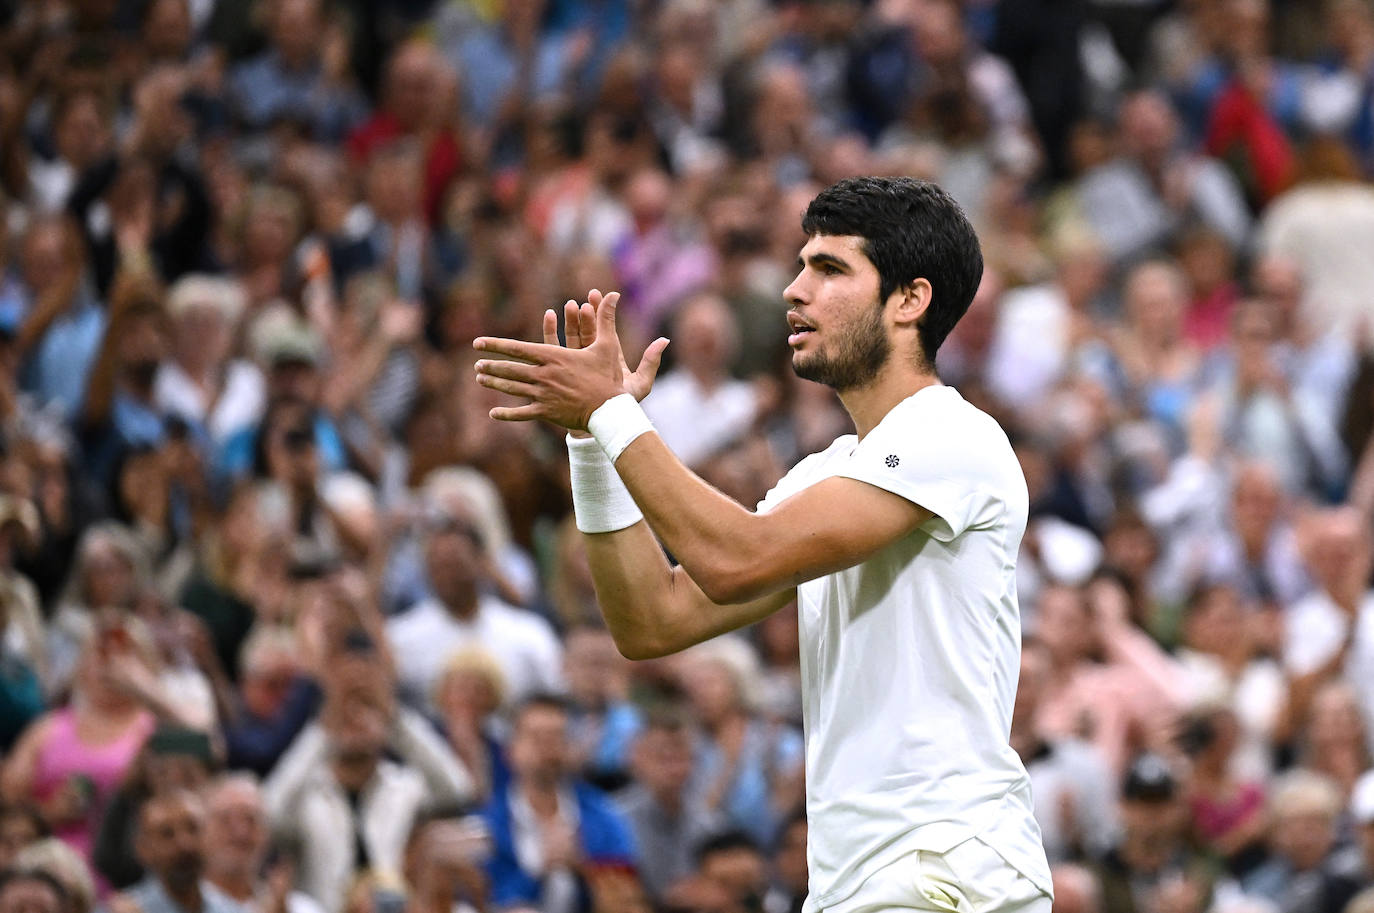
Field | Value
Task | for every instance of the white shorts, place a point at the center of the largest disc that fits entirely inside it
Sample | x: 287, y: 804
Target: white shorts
x: 970, y: 878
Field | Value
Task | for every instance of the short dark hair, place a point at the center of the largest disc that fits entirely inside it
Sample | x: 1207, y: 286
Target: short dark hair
x: 542, y: 700
x: 911, y: 229
x: 725, y: 842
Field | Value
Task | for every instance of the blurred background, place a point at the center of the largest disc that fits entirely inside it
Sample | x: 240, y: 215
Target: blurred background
x: 287, y: 625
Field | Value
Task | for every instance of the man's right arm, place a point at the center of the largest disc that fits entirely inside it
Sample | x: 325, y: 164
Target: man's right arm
x: 653, y: 608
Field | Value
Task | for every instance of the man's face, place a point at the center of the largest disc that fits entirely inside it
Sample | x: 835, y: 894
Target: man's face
x: 29, y: 895
x: 1151, y: 831
x: 359, y: 707
x: 171, y: 839
x: 1304, y: 838
x: 539, y: 744
x: 838, y: 334
x: 235, y: 828
x: 453, y: 559
x: 663, y: 759
x: 741, y: 871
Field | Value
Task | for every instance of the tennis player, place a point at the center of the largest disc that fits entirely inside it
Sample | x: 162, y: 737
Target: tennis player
x: 899, y: 544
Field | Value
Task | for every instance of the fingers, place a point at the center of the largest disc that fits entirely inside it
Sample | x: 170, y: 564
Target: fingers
x: 605, y: 316
x: 513, y: 387
x: 550, y: 328
x: 586, y: 323
x: 653, y: 358
x: 526, y: 413
x: 531, y: 352
x: 571, y: 333
x: 509, y: 370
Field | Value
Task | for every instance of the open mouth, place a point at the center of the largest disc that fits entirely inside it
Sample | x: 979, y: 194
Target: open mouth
x: 800, y: 328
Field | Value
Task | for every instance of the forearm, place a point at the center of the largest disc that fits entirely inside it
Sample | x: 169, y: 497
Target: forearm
x: 650, y: 607
x: 711, y: 536
x: 639, y: 592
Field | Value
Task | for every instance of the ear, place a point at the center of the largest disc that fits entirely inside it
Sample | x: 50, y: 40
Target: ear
x: 911, y: 301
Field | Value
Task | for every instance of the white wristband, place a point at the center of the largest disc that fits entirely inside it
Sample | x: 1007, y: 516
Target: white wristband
x: 601, y: 502
x: 616, y: 423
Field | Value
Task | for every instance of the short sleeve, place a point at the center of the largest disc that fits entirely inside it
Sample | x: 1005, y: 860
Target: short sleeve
x: 934, y: 464
x: 809, y: 470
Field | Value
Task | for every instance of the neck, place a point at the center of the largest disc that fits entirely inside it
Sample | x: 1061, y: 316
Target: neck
x: 707, y: 378
x: 542, y: 796
x: 353, y: 773
x: 670, y: 800
x: 187, y: 896
x: 868, y: 405
x: 238, y: 884
x: 462, y: 603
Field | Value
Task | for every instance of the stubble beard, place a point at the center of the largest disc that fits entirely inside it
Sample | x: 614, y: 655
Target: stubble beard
x: 859, y: 355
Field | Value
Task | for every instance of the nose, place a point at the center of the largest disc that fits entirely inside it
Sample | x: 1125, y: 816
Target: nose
x: 795, y: 293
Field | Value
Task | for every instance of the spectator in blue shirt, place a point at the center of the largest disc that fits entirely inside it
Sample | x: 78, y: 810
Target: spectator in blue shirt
x: 549, y: 829
x: 301, y: 76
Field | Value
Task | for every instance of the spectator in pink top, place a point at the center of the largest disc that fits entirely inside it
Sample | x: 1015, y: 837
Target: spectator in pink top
x: 72, y: 760
x: 1109, y: 683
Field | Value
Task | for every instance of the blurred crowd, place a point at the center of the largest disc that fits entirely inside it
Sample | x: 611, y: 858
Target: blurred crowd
x: 287, y: 625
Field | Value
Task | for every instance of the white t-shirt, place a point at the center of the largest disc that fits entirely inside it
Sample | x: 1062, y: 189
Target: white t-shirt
x: 1315, y: 628
x: 523, y: 645
x: 910, y: 660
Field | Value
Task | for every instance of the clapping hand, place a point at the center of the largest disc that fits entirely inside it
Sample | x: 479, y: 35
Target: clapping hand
x: 565, y: 384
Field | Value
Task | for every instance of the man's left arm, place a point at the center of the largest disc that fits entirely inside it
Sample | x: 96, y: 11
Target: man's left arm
x: 735, y: 554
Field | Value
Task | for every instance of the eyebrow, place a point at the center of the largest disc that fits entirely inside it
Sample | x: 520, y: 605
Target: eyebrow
x: 822, y: 259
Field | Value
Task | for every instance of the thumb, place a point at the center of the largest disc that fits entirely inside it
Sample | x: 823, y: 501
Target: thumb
x: 653, y: 358
x: 605, y: 318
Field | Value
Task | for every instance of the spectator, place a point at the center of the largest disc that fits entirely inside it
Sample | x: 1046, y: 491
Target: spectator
x: 789, y: 883
x: 278, y: 696
x: 1227, y: 809
x: 53, y: 857
x: 339, y: 797
x: 1138, y: 202
x: 461, y: 613
x: 604, y: 719
x: 550, y: 830
x: 1326, y: 633
x: 171, y: 846
x: 708, y: 335
x: 735, y: 864
x: 157, y: 204
x: 467, y: 699
x: 1152, y: 865
x: 212, y: 392
x: 1142, y: 680
x: 1070, y: 782
x: 71, y: 760
x: 1317, y: 225
x: 443, y: 863
x: 236, y: 849
x: 62, y: 322
x: 411, y: 87
x: 172, y: 759
x: 746, y: 769
x: 299, y: 77
x: 667, y: 821
x: 1222, y: 658
x: 1299, y: 874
